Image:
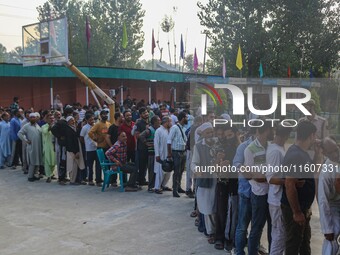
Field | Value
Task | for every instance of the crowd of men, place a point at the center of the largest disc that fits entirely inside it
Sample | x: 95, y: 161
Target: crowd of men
x: 142, y: 139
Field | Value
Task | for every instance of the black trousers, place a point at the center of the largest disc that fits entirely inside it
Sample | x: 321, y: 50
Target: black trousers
x: 221, y: 210
x: 142, y: 163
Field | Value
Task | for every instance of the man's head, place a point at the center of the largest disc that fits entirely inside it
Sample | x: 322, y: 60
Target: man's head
x: 16, y: 113
x: 265, y: 131
x: 33, y: 118
x: 68, y: 110
x: 166, y: 122
x: 183, y: 118
x: 330, y: 149
x: 155, y: 121
x: 70, y: 121
x: 283, y: 132
x: 118, y: 117
x: 207, y: 133
x: 49, y: 119
x: 122, y: 137
x: 143, y: 113
x: 198, y: 121
x: 127, y: 116
x: 27, y: 113
x: 310, y: 106
x: 103, y: 116
x: 211, y: 116
x: 231, y: 135
x: 162, y: 107
x: 89, y: 119
x: 16, y: 99
x: 305, y: 132
x: 5, y: 116
x: 57, y: 115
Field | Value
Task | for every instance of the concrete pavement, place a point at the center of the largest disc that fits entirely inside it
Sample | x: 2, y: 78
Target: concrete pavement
x: 46, y: 218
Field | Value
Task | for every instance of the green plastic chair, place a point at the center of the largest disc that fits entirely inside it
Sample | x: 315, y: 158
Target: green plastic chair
x: 107, y: 171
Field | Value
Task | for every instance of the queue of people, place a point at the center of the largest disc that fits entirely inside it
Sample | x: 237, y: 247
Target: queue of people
x: 144, y: 140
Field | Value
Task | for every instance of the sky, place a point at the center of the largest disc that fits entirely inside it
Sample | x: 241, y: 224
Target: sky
x: 16, y: 13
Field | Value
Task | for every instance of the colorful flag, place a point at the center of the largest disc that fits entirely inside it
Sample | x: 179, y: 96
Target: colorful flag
x: 182, y: 48
x: 288, y: 72
x: 195, y: 62
x: 261, y: 70
x: 88, y: 31
x: 239, y: 63
x: 125, y: 37
x: 153, y: 44
x: 224, y: 69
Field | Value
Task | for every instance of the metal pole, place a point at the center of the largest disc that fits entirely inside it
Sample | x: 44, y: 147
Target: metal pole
x: 149, y: 94
x: 51, y: 92
x: 175, y: 95
x: 121, y: 94
x: 205, y: 51
x: 87, y: 95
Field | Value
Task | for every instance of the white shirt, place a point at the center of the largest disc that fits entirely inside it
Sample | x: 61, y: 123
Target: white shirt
x: 274, y: 157
x: 255, y: 155
x: 90, y: 145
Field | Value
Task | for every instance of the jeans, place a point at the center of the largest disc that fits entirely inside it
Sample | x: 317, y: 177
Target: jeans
x: 297, y: 236
x: 151, y: 173
x: 260, y: 213
x: 179, y: 164
x: 142, y: 163
x: 244, y: 218
x: 91, y: 157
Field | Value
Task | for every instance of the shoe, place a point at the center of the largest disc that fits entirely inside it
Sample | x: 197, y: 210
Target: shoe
x: 62, y: 183
x: 48, y: 180
x: 31, y: 179
x: 91, y: 183
x: 41, y: 176
x: 99, y: 184
x: 130, y: 189
x: 36, y: 178
x: 2, y: 167
x: 53, y: 177
x: 158, y: 191
x: 114, y: 185
x: 165, y: 188
x: 14, y: 167
x: 180, y: 190
x: 262, y: 250
x: 137, y: 187
x: 175, y: 194
x: 150, y: 190
x: 219, y: 245
x: 190, y: 194
x: 25, y: 172
x: 67, y: 180
x: 83, y: 183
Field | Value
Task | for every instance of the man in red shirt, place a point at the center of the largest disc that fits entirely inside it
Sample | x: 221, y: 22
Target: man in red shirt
x: 127, y: 128
x: 118, y: 154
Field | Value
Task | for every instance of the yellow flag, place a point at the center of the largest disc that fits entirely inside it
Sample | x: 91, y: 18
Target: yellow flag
x: 125, y: 37
x: 239, y: 64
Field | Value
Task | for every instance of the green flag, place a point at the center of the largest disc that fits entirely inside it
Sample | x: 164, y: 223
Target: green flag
x: 125, y: 37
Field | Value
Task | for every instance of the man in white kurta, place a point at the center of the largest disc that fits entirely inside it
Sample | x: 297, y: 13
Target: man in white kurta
x: 31, y: 134
x: 206, y: 186
x: 329, y: 198
x: 161, y: 153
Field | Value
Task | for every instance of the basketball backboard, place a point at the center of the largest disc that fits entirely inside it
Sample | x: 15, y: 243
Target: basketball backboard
x: 45, y: 43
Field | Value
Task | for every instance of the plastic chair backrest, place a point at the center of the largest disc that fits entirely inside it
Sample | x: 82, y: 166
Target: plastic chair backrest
x: 101, y: 155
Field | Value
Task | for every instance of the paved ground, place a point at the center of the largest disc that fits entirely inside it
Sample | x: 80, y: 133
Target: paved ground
x: 46, y: 218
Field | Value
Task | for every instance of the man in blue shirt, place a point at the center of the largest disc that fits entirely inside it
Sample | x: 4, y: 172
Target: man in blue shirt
x: 15, y: 126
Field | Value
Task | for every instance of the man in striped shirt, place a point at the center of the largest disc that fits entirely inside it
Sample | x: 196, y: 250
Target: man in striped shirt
x: 176, y: 151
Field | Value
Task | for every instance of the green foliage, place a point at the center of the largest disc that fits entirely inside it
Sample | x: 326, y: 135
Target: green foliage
x: 316, y: 98
x: 277, y: 33
x: 106, y: 19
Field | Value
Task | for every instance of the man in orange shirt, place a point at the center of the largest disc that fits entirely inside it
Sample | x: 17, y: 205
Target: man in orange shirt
x: 98, y: 134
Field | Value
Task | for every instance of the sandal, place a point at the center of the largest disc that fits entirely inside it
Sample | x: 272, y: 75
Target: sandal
x: 193, y: 214
x: 197, y: 222
x: 219, y: 245
x: 211, y: 239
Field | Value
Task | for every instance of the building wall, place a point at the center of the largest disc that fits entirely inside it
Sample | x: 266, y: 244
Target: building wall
x: 35, y: 92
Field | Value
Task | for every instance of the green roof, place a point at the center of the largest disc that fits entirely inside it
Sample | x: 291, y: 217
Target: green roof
x: 17, y: 70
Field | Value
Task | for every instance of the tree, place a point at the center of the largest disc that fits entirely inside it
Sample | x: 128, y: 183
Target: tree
x: 106, y: 19
x: 277, y: 33
x: 3, y: 53
x: 14, y: 56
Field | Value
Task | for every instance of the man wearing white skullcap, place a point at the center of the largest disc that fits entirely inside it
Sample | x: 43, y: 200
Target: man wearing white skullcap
x: 31, y: 134
x: 205, y: 195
